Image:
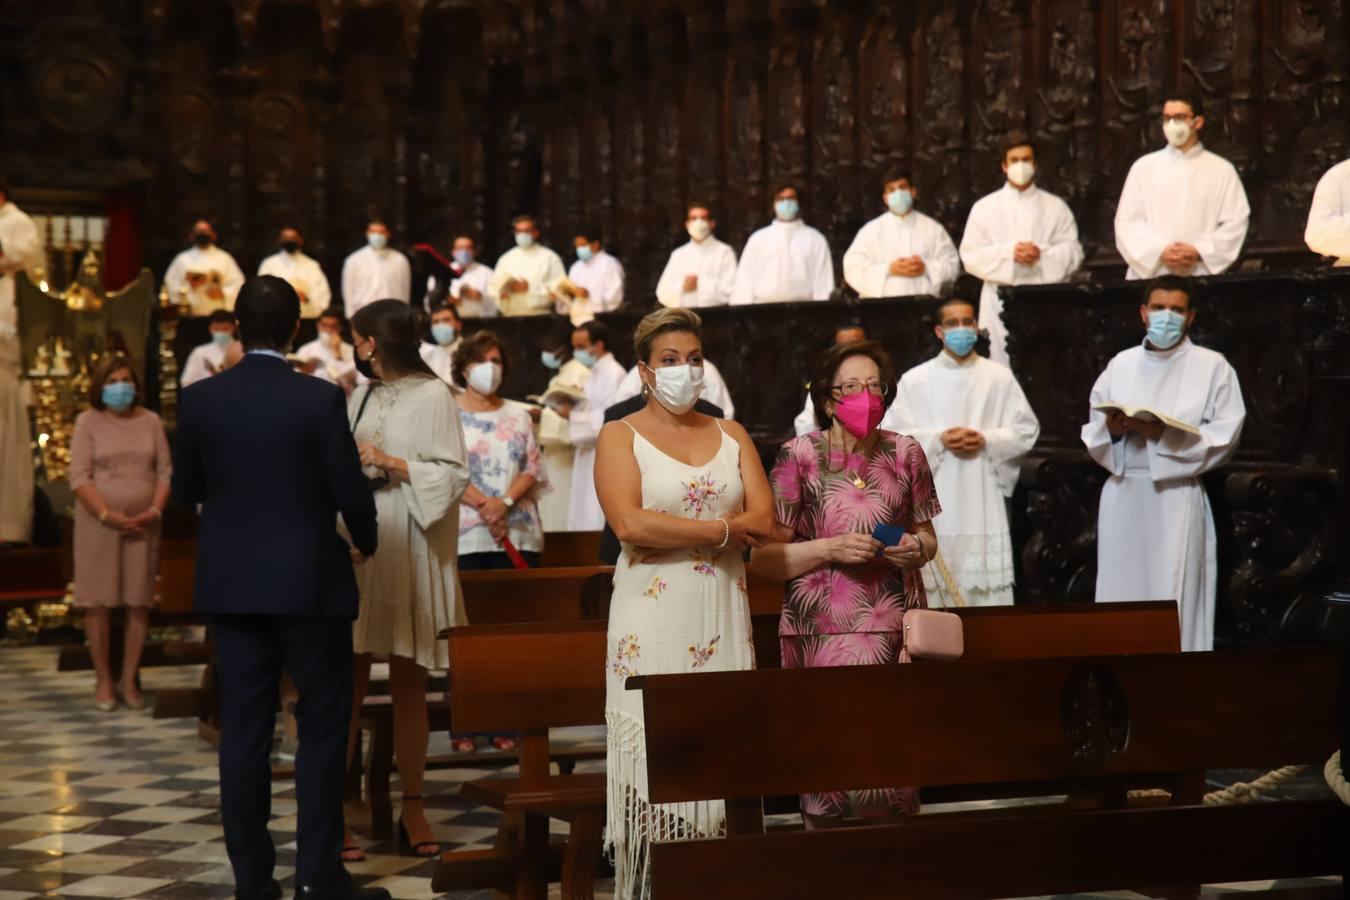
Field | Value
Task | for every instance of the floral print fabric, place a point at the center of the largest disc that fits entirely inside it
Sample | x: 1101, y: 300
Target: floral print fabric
x: 501, y: 446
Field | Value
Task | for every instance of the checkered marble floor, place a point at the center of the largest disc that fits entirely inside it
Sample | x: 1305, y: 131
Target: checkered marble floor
x: 111, y: 805
x: 105, y: 805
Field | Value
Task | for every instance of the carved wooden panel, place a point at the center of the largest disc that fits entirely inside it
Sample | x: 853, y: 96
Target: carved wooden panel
x: 883, y: 101
x: 837, y: 195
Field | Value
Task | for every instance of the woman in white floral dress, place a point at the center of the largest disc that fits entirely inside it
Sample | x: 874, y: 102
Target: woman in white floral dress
x: 686, y: 494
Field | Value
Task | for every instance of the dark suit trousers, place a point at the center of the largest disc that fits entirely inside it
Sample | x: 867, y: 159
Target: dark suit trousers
x: 251, y: 653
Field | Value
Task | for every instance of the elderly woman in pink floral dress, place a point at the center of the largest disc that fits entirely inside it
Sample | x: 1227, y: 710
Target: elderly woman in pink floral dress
x: 847, y: 593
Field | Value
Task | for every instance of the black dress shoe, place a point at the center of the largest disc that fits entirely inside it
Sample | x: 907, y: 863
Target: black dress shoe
x: 342, y: 890
x: 269, y: 891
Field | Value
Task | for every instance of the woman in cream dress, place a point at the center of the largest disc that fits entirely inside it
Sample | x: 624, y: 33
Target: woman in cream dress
x: 407, y: 428
x: 685, y: 494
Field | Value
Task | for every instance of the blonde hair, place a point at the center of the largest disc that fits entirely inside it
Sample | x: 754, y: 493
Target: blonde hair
x: 664, y: 321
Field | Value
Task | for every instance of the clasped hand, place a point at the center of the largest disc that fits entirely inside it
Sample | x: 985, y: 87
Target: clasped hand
x: 962, y: 441
x: 1026, y: 253
x: 907, y: 267
x: 130, y: 524
x: 1180, y: 258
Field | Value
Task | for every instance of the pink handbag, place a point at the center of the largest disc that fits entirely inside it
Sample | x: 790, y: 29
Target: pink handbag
x: 931, y: 633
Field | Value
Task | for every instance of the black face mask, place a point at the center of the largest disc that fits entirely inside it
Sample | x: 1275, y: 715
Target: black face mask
x: 364, y: 367
x: 202, y: 240
x: 290, y: 246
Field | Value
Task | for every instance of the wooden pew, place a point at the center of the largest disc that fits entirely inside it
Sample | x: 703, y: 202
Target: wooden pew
x: 570, y: 548
x: 1147, y: 718
x: 522, y: 676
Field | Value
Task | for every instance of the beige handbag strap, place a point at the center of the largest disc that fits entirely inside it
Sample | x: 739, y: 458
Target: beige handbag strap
x: 945, y: 582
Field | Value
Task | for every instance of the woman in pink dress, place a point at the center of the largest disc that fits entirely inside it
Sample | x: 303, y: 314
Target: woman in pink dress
x: 847, y: 593
x: 119, y: 470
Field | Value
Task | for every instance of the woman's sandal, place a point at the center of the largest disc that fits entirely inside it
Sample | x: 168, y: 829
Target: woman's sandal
x: 503, y: 742
x: 353, y: 854
x: 405, y: 844
x: 463, y: 745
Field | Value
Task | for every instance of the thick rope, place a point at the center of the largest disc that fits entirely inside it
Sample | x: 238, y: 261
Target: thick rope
x: 1247, y: 791
x: 1335, y: 778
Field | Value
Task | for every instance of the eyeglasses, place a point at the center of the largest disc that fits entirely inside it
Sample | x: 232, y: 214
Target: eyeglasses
x: 850, y: 388
x: 1183, y: 117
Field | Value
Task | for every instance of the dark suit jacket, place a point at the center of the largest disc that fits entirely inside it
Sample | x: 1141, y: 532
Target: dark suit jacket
x: 609, y: 543
x: 269, y: 455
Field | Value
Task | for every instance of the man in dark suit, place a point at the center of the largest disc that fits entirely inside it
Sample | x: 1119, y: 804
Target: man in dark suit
x: 609, y: 542
x: 268, y: 455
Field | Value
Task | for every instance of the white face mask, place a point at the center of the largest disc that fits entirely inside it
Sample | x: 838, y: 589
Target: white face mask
x: 485, y: 377
x: 677, y: 387
x: 699, y: 229
x: 1021, y: 172
x: 1177, y: 132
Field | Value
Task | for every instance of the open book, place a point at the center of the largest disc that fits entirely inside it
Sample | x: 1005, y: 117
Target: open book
x: 1148, y: 415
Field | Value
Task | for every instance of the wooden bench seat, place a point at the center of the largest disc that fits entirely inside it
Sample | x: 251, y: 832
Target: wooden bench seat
x: 1159, y: 719
x: 556, y: 794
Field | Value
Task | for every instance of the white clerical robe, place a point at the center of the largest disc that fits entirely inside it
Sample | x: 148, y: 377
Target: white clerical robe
x: 439, y: 359
x: 714, y: 388
x: 22, y: 248
x: 1328, y: 231
x: 539, y: 267
x: 478, y: 277
x: 782, y: 262
x: 713, y: 262
x: 602, y: 277
x: 212, y: 262
x: 334, y: 364
x: 369, y: 275
x: 305, y: 275
x: 555, y: 445
x: 1155, y: 531
x: 998, y: 223
x: 888, y: 237
x: 204, y: 361
x: 1193, y: 198
x: 972, y: 529
x: 588, y: 417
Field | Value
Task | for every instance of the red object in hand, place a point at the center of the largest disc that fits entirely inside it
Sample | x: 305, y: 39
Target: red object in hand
x: 517, y: 561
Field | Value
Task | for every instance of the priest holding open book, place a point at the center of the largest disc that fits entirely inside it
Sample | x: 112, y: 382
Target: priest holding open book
x: 1163, y: 414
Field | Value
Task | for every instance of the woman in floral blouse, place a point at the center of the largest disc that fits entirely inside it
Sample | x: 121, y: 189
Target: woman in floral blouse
x: 847, y: 593
x: 505, y: 466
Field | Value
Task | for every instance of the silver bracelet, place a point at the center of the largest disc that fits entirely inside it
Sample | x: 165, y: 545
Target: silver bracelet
x: 726, y: 534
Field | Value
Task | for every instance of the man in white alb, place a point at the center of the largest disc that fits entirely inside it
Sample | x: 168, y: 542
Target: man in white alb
x: 471, y: 289
x: 1183, y: 210
x: 714, y: 388
x: 597, y: 278
x: 786, y: 260
x: 208, y: 359
x: 976, y: 427
x: 1019, y: 234
x: 701, y: 272
x: 525, y: 276
x: 204, y: 275
x: 375, y: 272
x: 328, y: 356
x: 590, y: 346
x: 440, y: 351
x: 301, y: 272
x: 847, y: 333
x: 20, y: 251
x: 1155, y: 531
x: 565, y: 390
x: 902, y: 252
x: 1328, y: 231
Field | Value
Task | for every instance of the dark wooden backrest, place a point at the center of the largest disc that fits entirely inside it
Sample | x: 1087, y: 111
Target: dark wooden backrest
x: 531, y: 595
x: 528, y: 676
x: 570, y: 548
x: 1070, y: 629
x: 750, y: 734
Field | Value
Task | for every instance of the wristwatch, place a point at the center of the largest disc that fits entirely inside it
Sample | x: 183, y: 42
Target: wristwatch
x: 508, y: 501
